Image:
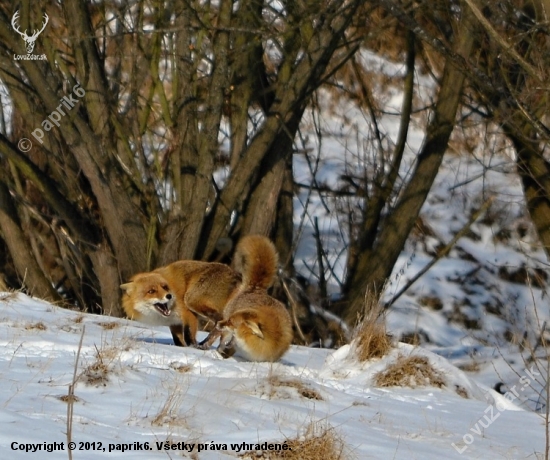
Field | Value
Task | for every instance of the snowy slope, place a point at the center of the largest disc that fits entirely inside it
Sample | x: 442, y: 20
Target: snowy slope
x: 154, y: 392
x: 486, y: 305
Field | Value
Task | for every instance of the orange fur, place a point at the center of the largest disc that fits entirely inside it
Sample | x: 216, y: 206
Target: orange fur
x: 254, y: 325
x: 199, y: 288
x: 257, y: 327
x: 256, y: 258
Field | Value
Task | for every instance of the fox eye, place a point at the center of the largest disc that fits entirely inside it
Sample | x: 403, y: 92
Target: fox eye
x: 165, y: 287
x: 151, y: 291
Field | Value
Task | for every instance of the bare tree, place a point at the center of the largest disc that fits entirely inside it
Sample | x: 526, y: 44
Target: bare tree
x: 489, y: 60
x: 158, y: 129
x: 391, y: 207
x: 180, y: 121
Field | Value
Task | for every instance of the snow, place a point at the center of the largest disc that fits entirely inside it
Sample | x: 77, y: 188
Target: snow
x: 467, y: 311
x: 156, y: 392
x: 480, y: 306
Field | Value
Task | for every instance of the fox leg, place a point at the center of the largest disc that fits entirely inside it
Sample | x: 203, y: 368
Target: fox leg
x: 184, y: 334
x: 216, y: 333
x: 210, y: 339
x: 178, y: 335
x: 187, y: 331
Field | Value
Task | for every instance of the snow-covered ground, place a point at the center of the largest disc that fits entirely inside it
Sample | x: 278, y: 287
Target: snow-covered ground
x: 133, y: 387
x: 483, y: 308
x: 486, y: 305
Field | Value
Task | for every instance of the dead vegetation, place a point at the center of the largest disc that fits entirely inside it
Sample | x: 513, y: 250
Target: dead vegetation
x: 108, y: 325
x: 461, y: 391
x: 318, y: 442
x: 472, y: 366
x: 8, y: 295
x: 371, y: 339
x: 97, y: 373
x: 410, y: 371
x: 68, y: 398
x: 39, y: 326
x: 304, y: 390
x: 169, y: 414
x: 181, y: 368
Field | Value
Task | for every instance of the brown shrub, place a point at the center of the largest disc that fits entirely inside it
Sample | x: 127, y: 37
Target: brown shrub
x: 40, y: 326
x: 319, y: 442
x: 304, y: 390
x: 98, y: 372
x: 108, y: 325
x: 410, y: 371
x: 371, y: 339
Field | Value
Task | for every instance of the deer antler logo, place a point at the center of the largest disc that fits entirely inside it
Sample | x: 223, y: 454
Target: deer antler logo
x: 29, y: 41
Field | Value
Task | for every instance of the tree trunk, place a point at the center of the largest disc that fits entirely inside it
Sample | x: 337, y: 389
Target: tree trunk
x: 394, y: 230
x: 27, y: 268
x: 534, y: 171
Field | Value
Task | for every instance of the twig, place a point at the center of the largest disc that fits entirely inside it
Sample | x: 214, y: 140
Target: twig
x: 508, y: 49
x: 443, y: 252
x: 293, y: 309
x: 320, y: 254
x: 71, y: 398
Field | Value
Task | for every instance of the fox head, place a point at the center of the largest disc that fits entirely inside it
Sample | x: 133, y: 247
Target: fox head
x: 149, y: 296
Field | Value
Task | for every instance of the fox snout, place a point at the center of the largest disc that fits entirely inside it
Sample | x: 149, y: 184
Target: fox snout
x: 164, y: 306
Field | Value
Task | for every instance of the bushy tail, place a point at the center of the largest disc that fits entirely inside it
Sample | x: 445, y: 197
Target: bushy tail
x: 256, y: 260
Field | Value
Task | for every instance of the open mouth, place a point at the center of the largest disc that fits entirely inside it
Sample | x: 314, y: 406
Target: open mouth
x: 163, y: 309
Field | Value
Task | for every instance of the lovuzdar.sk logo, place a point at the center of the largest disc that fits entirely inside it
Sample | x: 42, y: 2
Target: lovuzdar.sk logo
x: 29, y: 39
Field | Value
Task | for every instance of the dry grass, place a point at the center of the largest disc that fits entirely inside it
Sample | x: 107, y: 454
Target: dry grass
x: 169, y: 413
x: 304, y: 390
x: 173, y: 389
x: 3, y: 285
x: 9, y: 295
x: 461, y: 391
x: 181, y: 368
x: 40, y: 326
x: 472, y: 366
x: 98, y: 372
x: 319, y: 442
x: 410, y: 371
x: 371, y: 339
x: 108, y: 325
x: 68, y: 398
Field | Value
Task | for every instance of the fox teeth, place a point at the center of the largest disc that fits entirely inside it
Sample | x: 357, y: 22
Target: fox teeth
x: 163, y: 309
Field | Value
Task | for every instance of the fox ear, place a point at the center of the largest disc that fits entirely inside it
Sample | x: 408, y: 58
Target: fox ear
x: 127, y: 287
x: 254, y: 328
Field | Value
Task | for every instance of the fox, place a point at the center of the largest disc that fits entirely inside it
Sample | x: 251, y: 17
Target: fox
x: 255, y: 325
x: 177, y: 294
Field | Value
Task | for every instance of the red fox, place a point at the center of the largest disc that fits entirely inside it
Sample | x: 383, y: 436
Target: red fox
x: 254, y: 324
x: 198, y: 288
x: 174, y: 295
